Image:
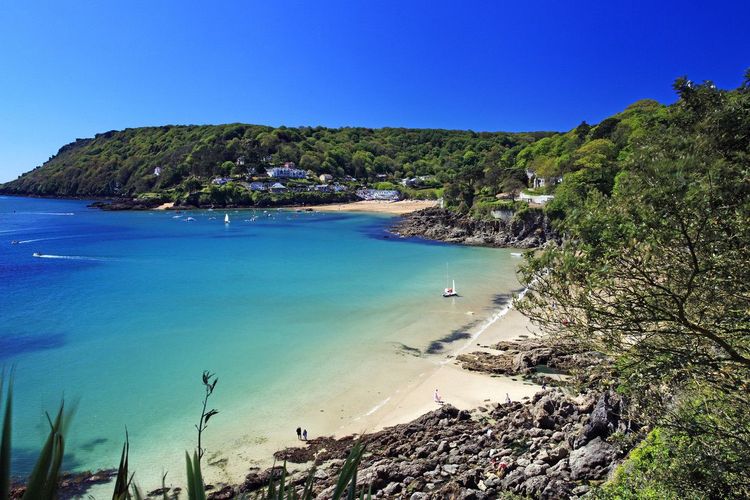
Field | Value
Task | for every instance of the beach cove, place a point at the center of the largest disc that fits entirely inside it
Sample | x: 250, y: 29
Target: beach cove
x: 309, y: 319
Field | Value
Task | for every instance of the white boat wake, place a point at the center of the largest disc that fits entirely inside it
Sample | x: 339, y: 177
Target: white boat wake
x: 68, y: 257
x: 45, y: 213
x: 23, y: 242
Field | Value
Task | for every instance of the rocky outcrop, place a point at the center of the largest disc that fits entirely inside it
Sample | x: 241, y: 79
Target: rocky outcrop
x: 551, y: 446
x: 125, y: 204
x: 529, y: 229
x: 524, y: 357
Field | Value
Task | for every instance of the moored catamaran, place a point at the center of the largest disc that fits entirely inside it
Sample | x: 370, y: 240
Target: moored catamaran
x: 450, y: 291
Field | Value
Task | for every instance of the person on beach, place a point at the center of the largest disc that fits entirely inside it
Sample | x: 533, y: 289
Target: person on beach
x: 544, y: 385
x: 299, y: 433
x: 437, y: 398
x: 507, y: 399
x: 304, y: 435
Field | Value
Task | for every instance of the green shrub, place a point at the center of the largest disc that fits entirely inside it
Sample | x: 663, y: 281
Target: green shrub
x: 650, y: 472
x: 420, y: 194
x: 484, y: 207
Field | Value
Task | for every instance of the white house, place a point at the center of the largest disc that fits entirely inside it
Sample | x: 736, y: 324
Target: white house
x: 277, y: 187
x: 286, y: 173
x: 536, y: 181
x: 378, y: 194
x: 157, y: 171
x: 326, y: 177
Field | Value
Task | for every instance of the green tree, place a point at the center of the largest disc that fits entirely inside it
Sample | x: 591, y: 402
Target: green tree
x: 656, y: 276
x: 362, y: 164
x: 225, y: 168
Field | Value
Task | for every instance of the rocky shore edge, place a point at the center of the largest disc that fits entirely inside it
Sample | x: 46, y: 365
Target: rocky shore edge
x: 558, y: 444
x: 71, y: 484
x: 528, y: 229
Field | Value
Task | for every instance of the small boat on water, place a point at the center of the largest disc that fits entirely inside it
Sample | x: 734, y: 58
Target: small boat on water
x: 450, y: 291
x: 14, y: 242
x: 226, y: 218
x: 516, y: 254
x: 189, y: 219
x: 37, y: 254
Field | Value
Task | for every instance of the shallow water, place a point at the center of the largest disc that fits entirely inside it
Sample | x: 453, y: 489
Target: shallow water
x: 304, y: 316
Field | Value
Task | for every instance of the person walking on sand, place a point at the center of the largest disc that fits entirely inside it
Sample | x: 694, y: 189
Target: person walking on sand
x: 304, y: 435
x: 507, y: 399
x: 437, y: 397
x: 299, y: 433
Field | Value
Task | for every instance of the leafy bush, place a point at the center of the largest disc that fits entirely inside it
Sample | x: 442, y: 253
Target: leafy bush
x: 483, y: 208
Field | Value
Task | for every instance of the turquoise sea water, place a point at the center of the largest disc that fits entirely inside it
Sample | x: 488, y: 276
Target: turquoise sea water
x: 294, y: 311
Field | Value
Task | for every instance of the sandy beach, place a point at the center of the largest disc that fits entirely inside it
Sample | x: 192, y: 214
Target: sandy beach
x: 461, y: 388
x: 381, y: 207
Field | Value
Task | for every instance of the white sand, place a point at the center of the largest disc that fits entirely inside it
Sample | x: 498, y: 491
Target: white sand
x: 461, y: 388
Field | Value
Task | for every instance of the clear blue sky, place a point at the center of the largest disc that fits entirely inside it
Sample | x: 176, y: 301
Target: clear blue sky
x: 74, y: 68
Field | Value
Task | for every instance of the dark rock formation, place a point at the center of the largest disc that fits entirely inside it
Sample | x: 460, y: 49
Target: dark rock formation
x: 594, y: 459
x: 72, y: 484
x: 528, y: 230
x: 531, y: 448
x: 125, y: 204
x: 523, y: 357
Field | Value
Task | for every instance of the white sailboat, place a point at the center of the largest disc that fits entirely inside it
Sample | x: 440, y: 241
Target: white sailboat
x: 226, y: 218
x: 450, y: 292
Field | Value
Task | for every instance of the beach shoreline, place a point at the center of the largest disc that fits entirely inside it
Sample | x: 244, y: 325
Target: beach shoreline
x: 373, y: 206
x: 461, y: 388
x: 464, y: 389
x: 401, y: 207
x: 411, y: 399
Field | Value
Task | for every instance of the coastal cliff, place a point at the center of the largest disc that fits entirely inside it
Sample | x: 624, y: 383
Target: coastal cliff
x: 526, y: 229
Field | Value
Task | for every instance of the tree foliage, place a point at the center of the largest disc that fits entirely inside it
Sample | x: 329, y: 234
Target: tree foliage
x: 124, y: 162
x: 655, y: 274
